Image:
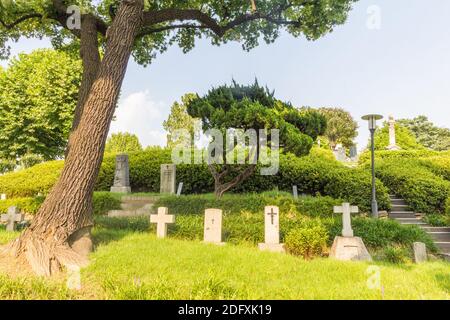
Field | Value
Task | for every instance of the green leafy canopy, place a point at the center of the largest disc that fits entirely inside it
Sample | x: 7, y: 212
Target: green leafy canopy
x: 220, y: 20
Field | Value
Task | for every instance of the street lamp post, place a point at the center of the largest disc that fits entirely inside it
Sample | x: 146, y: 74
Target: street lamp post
x: 372, y: 119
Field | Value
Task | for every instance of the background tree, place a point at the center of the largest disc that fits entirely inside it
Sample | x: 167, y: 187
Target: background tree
x: 179, y: 119
x: 60, y: 231
x: 427, y: 133
x: 404, y: 138
x: 253, y: 107
x: 341, y: 127
x: 123, y: 142
x: 38, y: 96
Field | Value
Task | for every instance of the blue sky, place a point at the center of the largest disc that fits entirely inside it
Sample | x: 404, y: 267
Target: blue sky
x: 402, y: 68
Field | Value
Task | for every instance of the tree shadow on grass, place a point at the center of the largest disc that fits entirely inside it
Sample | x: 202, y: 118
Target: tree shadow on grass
x: 107, y: 229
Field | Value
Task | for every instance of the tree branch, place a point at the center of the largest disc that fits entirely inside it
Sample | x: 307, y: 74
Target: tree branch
x: 207, y: 22
x: 20, y: 20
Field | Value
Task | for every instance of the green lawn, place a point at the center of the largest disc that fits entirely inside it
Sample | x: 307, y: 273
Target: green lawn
x: 136, y: 265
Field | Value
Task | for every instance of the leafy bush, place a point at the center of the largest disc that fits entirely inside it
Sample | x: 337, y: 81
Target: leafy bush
x: 307, y: 241
x: 30, y: 182
x: 316, y: 174
x: 364, y: 158
x: 447, y: 206
x: 104, y: 202
x: 437, y: 220
x: 396, y: 254
x: 6, y: 166
x: 27, y: 205
x: 424, y: 191
x: 250, y: 203
x: 439, y: 165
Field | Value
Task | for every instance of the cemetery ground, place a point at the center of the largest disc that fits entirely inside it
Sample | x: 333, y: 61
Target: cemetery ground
x: 131, y: 263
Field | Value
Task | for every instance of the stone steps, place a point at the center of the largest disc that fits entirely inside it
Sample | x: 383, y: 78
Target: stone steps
x: 402, y: 213
x: 135, y: 206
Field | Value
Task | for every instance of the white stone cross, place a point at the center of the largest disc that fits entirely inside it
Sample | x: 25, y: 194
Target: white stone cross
x: 11, y: 218
x: 162, y: 219
x: 346, y: 209
x: 213, y: 226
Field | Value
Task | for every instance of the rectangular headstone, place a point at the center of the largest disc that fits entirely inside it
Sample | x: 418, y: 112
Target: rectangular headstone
x: 420, y: 252
x: 168, y: 178
x: 122, y: 175
x: 271, y: 230
x: 180, y: 188
x: 295, y: 192
x: 3, y: 196
x: 213, y: 226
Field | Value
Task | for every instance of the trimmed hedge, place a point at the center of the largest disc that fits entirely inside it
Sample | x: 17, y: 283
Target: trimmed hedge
x: 447, y: 206
x: 27, y: 205
x: 249, y: 203
x: 32, y: 181
x: 364, y: 158
x: 424, y: 191
x: 316, y: 174
x: 102, y: 203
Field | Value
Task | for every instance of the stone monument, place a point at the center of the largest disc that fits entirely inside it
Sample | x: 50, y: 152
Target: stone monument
x: 272, y: 230
x: 122, y: 175
x: 162, y: 219
x: 11, y: 218
x: 392, y: 139
x: 3, y: 196
x: 168, y: 178
x: 420, y: 252
x: 295, y: 192
x: 213, y: 226
x: 348, y: 247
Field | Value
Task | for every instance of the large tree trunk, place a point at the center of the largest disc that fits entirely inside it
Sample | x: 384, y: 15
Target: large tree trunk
x: 67, y: 210
x: 221, y: 187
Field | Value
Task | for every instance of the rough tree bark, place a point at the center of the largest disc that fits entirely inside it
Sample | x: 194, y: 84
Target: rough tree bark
x: 66, y: 212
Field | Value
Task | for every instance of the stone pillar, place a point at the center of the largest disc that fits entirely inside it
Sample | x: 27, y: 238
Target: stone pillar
x: 392, y: 138
x: 122, y: 175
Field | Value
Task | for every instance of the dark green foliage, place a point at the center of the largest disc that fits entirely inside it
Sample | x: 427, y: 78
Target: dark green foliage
x: 104, y: 202
x: 7, y: 166
x: 316, y: 174
x: 424, y: 191
x: 254, y: 107
x: 251, y: 203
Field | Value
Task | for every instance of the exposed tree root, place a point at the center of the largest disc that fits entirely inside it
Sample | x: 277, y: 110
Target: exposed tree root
x: 45, y: 258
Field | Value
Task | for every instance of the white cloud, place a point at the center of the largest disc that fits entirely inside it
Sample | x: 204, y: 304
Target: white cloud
x: 137, y: 113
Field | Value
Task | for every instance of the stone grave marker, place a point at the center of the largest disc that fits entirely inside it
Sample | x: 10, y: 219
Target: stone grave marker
x: 347, y: 247
x: 3, y: 196
x: 213, y: 226
x: 11, y: 218
x: 180, y: 189
x: 122, y: 175
x: 272, y: 230
x: 168, y: 178
x: 420, y: 252
x: 295, y: 192
x: 162, y: 219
